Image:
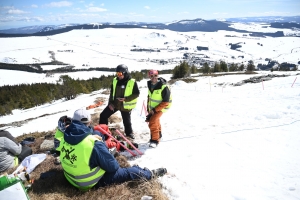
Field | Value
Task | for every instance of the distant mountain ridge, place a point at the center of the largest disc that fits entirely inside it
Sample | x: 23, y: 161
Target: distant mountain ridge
x: 180, y: 26
x: 271, y: 19
x: 35, y: 29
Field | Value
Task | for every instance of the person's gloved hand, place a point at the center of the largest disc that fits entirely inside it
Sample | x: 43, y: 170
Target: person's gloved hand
x: 148, y: 117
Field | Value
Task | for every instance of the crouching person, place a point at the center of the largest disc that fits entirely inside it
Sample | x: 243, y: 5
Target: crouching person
x: 11, y: 152
x: 87, y: 162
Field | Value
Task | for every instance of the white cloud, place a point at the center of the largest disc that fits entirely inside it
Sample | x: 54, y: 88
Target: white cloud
x: 185, y: 12
x: 7, y: 19
x: 95, y: 9
x: 220, y: 13
x: 34, y: 6
x: 147, y: 7
x: 16, y: 11
x: 6, y: 7
x: 59, y: 4
x: 31, y: 19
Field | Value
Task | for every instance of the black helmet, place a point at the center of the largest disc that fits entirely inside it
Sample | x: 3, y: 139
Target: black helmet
x: 122, y: 68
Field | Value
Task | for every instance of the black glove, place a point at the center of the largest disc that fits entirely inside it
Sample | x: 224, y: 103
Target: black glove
x: 148, y: 117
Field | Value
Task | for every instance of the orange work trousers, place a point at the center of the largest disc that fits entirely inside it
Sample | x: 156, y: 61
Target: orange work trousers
x: 154, y: 126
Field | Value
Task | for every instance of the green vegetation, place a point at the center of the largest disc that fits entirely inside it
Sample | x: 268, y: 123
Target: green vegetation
x: 182, y: 70
x: 26, y: 96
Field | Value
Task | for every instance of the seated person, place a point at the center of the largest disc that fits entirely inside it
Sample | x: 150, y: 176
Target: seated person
x: 86, y: 161
x: 63, y: 123
x: 11, y: 153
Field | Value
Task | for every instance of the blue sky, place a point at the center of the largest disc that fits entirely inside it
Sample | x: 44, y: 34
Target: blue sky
x: 19, y: 13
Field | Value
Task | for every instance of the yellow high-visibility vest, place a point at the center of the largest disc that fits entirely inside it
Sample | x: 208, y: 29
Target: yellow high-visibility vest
x: 129, y: 105
x: 155, y: 98
x: 75, y: 163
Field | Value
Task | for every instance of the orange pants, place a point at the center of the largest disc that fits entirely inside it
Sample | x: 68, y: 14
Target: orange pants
x: 154, y: 126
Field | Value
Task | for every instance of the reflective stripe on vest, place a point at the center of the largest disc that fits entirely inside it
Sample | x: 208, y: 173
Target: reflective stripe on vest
x: 155, y: 98
x: 75, y: 162
x: 85, y: 184
x: 129, y: 105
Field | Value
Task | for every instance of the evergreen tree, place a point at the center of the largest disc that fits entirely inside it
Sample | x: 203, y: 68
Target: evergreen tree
x: 241, y: 67
x: 193, y: 69
x: 223, y: 66
x: 233, y: 67
x: 181, y: 70
x: 205, y: 68
x: 250, y: 66
x: 217, y: 67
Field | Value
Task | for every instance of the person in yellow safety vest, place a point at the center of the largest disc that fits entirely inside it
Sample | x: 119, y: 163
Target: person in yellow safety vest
x: 86, y: 161
x: 123, y: 97
x: 63, y: 123
x: 159, y: 101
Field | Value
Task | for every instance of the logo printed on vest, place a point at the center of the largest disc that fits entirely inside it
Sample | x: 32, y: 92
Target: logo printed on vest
x: 67, y: 156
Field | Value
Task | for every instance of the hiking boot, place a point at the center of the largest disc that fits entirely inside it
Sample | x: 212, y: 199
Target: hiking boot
x: 159, y: 172
x: 118, y: 137
x: 131, y: 136
x: 136, y: 145
x: 153, y: 145
x: 128, y: 146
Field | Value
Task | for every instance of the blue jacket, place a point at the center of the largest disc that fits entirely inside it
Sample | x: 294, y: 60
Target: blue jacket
x: 101, y: 157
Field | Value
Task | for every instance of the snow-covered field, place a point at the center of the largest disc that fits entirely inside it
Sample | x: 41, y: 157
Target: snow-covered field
x: 220, y: 142
x: 110, y: 47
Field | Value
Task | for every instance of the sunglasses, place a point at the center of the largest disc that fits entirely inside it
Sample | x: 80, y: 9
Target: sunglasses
x: 119, y: 73
x: 155, y: 75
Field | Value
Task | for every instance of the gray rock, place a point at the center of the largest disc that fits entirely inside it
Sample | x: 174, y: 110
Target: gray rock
x: 47, y: 144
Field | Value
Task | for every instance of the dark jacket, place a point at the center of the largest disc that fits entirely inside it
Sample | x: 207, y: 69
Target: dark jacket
x: 101, y: 157
x: 120, y: 90
x: 165, y: 93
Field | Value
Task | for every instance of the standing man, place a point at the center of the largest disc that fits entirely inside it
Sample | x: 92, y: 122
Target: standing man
x: 123, y: 97
x: 159, y: 101
x: 87, y: 162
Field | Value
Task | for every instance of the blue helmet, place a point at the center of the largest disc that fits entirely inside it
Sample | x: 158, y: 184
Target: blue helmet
x: 63, y: 123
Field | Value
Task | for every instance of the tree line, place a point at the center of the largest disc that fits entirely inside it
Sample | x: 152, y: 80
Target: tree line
x: 24, y: 96
x: 185, y: 70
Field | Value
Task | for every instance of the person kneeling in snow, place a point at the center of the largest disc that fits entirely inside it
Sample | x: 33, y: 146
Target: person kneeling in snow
x: 87, y: 162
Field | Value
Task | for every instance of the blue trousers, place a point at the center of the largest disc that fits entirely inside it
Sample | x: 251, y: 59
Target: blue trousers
x: 124, y: 174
